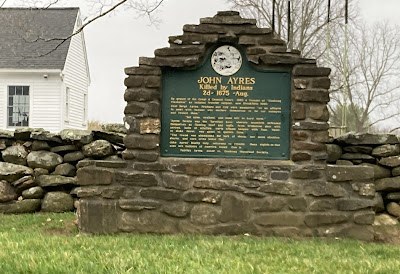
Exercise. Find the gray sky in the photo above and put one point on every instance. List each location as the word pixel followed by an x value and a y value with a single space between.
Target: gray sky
pixel 117 41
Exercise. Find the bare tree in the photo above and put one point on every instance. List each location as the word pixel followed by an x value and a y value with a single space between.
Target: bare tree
pixel 373 54
pixel 373 69
pixel 99 9
pixel 308 24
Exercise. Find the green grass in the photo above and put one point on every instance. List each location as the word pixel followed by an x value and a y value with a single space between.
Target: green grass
pixel 49 243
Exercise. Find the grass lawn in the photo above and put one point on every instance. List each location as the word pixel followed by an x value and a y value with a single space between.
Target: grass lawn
pixel 50 243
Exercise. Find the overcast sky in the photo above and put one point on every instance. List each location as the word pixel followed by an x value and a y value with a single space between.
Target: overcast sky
pixel 117 41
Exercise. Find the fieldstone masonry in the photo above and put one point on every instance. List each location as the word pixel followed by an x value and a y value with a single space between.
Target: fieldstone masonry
pixel 301 196
pixel 38 168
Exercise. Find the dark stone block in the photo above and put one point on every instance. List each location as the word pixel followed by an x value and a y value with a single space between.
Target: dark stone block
pixel 137 205
pixel 319 189
pixel 306 173
pixel 299 145
pixel 147 142
pixel 147 222
pixel 177 209
pixel 281 59
pixel 349 173
pixel 323 82
pixel 297 204
pixel 299 112
pixel 136 179
pixel 280 219
pixel 153 82
pixel 234 209
pixel 310 126
pixel 112 193
pixel 161 194
pixel 111 164
pixel 320 136
pixel 94 176
pixel 301 156
pixel 255 50
pixel 143 70
pixel 149 166
pixel 133 81
pixel 334 152
pixel 310 70
pixel 388 184
pixel 319 112
pixel 392 161
pixel 367 139
pixel 180 182
pixel 354 204
pixel 203 214
pixel 207 196
pixel 284 188
pixel 311 95
pixel 326 218
pixel 216 184
pixel 261 175
pixel 189 38
pixel 271 204
pixel 301 83
pixel 153 109
pixel 300 135
pixel 176 62
pixel 280 175
pixel 97 216
pixel 323 205
pixel 364 218
pixel 358 149
pixel 140 95
pixel 196 169
pixel 134 108
pixel 379 171
pixel 179 51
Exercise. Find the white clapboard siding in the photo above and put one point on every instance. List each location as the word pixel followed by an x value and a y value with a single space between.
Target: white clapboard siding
pixel 77 80
pixel 44 95
pixel 3 102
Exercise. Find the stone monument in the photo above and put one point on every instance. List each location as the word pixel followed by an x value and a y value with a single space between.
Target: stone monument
pixel 227 132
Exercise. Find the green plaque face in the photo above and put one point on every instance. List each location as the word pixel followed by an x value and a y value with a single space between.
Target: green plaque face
pixel 225 109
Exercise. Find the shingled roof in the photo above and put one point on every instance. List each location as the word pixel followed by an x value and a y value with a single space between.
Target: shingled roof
pixel 20 29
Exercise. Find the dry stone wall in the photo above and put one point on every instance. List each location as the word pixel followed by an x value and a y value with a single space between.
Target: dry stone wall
pixel 380 152
pixel 38 168
pixel 301 196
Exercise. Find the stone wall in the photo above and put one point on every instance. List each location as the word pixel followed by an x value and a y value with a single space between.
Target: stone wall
pixel 38 168
pixel 380 152
pixel 302 196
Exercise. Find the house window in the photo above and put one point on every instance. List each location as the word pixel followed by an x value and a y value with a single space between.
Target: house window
pixel 67 92
pixel 18 106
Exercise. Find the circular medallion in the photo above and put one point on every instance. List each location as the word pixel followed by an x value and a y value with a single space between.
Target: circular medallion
pixel 226 60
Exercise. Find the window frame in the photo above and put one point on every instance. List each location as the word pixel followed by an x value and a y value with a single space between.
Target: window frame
pixel 29 103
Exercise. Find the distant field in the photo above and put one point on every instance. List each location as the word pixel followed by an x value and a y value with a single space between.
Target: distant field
pixel 50 243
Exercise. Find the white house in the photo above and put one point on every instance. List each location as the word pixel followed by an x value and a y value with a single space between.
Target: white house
pixel 43 82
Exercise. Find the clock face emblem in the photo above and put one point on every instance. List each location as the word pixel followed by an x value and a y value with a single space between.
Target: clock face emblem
pixel 226 60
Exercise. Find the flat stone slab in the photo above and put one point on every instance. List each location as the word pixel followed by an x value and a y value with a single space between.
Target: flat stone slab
pixel 388 184
pixel 12 172
pixel 76 135
pixel 349 173
pixel 367 139
pixel 392 161
pixel 55 180
pixel 20 207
